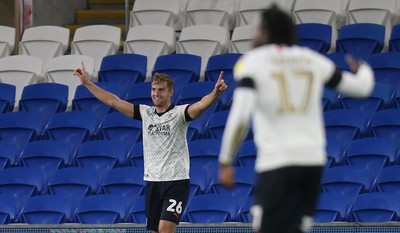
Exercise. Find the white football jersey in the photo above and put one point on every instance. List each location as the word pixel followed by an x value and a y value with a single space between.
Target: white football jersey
pixel 165 149
pixel 287 119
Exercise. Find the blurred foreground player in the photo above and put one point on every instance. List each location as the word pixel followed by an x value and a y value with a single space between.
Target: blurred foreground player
pixel 280 88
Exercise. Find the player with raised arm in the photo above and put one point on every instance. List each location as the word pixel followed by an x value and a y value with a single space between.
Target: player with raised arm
pixel 165 149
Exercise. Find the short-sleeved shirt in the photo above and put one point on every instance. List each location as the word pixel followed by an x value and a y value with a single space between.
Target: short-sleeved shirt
pixel 287 120
pixel 165 149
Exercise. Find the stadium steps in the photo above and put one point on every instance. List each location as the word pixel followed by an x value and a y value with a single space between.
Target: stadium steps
pixel 110 12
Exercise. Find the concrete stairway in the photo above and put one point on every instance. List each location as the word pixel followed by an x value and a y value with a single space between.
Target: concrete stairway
pixel 111 12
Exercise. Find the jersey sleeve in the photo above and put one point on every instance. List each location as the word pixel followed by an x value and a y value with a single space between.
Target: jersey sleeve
pixel 136 112
pixel 244 69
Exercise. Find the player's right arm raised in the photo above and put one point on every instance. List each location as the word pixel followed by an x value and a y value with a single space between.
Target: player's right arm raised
pixel 104 96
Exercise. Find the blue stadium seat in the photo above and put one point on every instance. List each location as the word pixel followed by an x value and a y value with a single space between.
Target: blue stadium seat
pixel 394 40
pixel 183 68
pixel 380 98
pixel 22 183
pixel 85 101
pixel 371 153
pixel 334 152
pixel 136 155
pixel 192 93
pixel 243 187
pixel 126 182
pixel 330 99
pixel 137 214
pixel 7 97
pixel 361 39
pixel 204 153
pixel 101 155
pixel 386 69
pixel 331 208
pixel 75 182
pixel 346 125
pixel 347 181
pixel 45 99
pixel 244 211
pixel 47 209
pixel 48 155
pixel 71 127
pixel 388 180
pixel 315 36
pixel 247 154
pixel 8 154
pixel 216 64
pixel 117 126
pixel 339 59
pixel 8 209
pixel 140 93
pixel 386 123
pixel 221 62
pixel 20 128
pixel 199 181
pixel 396 97
pixel 375 207
pixel 101 209
pixel 212 208
pixel 123 69
pixel 217 122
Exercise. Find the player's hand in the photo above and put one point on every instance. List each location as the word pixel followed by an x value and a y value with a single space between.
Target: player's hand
pixel 226 176
pixel 220 86
pixel 353 63
pixel 82 74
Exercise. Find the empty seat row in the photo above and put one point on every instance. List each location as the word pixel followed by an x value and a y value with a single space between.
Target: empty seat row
pixel 121 69
pixel 352 193
pixel 77 185
pixel 180 14
pixel 344 196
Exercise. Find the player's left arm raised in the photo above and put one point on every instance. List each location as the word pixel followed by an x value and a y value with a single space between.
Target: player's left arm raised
pixel 196 109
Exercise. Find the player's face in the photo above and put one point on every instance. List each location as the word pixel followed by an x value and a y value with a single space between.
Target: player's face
pixel 161 94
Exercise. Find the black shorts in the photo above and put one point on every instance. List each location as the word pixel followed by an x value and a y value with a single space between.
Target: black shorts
pixel 165 200
pixel 285 199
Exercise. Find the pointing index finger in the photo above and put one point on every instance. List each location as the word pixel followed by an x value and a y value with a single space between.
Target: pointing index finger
pixel 83 68
pixel 221 74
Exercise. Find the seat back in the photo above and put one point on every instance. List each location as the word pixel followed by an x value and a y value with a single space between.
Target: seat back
pixel 203 41
pixel 212 208
pixel 314 36
pixel 7 97
pixel 45 99
pixel 158 12
pixel 241 40
pixel 123 69
pixel 101 209
pixel 183 68
pixel 61 69
pixel 151 41
pixel 44 42
pixel 96 41
pixel 361 39
pixel 219 13
pixel 20 71
pixel 117 126
pixel 47 209
pixel 7 40
pixel 74 182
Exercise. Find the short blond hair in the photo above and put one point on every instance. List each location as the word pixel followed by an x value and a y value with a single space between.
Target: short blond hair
pixel 160 77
